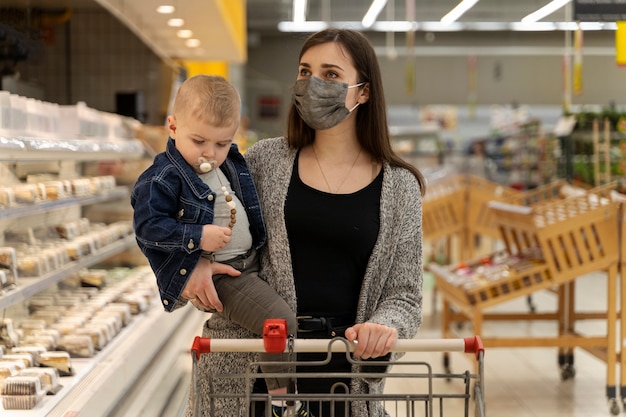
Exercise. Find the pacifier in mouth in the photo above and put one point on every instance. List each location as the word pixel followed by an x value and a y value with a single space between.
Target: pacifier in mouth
pixel 206 165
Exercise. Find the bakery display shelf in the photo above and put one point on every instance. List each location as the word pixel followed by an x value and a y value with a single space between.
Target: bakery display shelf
pixel 27 287
pixel 15 149
pixel 43 207
pixel 101 382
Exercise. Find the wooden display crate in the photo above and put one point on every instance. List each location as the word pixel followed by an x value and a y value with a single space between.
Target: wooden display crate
pixel 575 235
pixel 443 209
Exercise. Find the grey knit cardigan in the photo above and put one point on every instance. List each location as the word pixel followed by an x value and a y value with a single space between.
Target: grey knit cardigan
pixel 392 287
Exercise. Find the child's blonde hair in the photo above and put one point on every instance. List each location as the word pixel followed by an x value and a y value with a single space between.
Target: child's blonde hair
pixel 209 98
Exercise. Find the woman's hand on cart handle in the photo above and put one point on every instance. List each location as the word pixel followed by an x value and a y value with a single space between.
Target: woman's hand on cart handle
pixel 371 340
pixel 200 289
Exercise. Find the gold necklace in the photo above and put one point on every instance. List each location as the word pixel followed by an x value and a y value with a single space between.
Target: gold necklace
pixel 324 176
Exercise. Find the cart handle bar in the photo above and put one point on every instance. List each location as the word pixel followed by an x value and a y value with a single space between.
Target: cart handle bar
pixel 473 344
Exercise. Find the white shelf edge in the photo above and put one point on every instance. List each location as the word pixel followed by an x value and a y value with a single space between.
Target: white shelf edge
pixel 46 206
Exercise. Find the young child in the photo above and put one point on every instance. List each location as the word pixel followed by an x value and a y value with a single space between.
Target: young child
pixel 198 200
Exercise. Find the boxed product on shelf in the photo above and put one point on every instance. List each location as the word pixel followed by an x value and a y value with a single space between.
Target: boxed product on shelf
pixel 21 392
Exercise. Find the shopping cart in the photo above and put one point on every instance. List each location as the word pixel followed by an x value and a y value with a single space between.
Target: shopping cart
pixel 436 389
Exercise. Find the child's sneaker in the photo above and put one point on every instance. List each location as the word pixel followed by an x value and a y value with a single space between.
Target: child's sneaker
pixel 303 411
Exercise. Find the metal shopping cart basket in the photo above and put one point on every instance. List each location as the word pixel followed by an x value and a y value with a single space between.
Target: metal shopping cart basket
pixel 434 389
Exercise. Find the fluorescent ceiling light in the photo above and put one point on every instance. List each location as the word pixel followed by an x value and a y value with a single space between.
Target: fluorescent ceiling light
pixel 458 11
pixel 302 27
pixel 372 13
pixel 546 10
pixel 184 33
pixel 166 9
pixel 192 43
pixel 175 23
pixel 299 11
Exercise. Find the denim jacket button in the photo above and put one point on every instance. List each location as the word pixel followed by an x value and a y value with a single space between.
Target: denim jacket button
pixel 190 245
pixel 183 271
pixel 210 197
pixel 165 302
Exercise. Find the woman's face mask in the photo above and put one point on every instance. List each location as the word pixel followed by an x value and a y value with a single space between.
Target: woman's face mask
pixel 321 104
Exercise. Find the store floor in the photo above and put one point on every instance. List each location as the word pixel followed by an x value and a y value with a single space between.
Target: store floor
pixel 519 382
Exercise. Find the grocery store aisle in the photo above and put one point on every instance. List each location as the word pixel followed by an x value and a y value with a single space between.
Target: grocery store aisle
pixel 524 382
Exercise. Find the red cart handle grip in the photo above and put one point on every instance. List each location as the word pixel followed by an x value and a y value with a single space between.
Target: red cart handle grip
pixel 474 344
pixel 200 345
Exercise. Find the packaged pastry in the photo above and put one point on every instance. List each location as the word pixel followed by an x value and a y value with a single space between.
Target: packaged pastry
pixel 39 302
pixel 81 186
pixel 31 266
pixel 49 377
pixel 45 341
pixel 78 346
pixel 8 336
pixel 30 325
pixel 8 257
pixel 58 360
pixel 34 350
pixel 49 316
pixel 98 338
pixel 8 369
pixel 21 392
pixel 7 197
pixel 68 230
pixel 54 190
pixel 95 278
pixel 26 359
pixel 25 193
pixel 7 279
pixel 137 302
pixel 112 320
pixel 124 310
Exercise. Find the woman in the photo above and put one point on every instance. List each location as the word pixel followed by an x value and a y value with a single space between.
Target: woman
pixel 343 215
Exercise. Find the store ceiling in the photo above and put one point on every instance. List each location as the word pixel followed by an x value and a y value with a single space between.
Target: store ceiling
pixel 263 16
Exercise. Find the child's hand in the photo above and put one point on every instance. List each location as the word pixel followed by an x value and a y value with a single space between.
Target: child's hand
pixel 215 237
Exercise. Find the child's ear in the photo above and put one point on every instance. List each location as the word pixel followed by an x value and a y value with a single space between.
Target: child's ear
pixel 171 125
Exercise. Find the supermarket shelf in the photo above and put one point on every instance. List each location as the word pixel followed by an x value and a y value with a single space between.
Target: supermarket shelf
pixel 27 287
pixel 46 206
pixel 101 382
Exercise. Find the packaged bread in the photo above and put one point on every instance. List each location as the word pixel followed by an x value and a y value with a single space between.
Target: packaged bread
pixel 7 279
pixel 47 342
pixel 58 360
pixel 49 316
pixel 111 319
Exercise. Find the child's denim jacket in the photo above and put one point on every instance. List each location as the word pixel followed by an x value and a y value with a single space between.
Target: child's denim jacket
pixel 171 204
